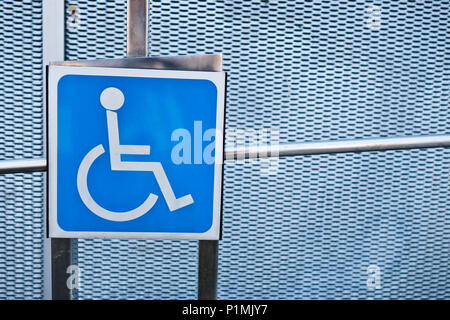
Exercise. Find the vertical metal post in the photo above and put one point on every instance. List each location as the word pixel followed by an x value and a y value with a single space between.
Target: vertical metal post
pixel 208 263
pixel 61 259
pixel 137 46
pixel 137 28
pixel 57 252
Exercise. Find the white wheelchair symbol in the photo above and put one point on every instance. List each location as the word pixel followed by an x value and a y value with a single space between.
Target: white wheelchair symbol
pixel 112 99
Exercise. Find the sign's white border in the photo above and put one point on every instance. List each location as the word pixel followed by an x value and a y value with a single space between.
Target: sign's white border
pixel 55 73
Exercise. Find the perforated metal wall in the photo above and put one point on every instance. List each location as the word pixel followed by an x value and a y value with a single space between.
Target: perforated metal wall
pixel 21 205
pixel 312 70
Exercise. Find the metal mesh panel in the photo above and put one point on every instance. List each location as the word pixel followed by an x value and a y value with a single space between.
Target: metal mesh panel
pixel 312 71
pixel 21 207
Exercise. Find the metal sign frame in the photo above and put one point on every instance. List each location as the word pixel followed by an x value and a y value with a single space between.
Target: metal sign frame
pixel 58 72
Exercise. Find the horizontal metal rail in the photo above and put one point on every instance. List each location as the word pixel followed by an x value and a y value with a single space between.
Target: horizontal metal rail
pixel 282 150
pixel 23 165
pixel 338 146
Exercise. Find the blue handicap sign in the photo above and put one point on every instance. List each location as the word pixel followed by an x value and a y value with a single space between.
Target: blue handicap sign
pixel 121 153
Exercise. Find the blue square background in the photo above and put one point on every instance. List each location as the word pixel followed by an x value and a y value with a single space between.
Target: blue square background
pixel 153 109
